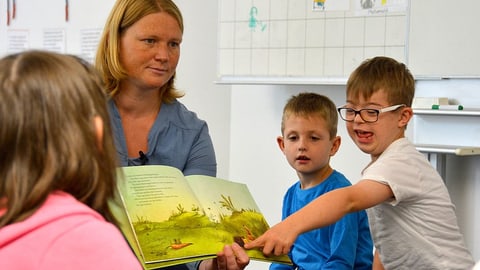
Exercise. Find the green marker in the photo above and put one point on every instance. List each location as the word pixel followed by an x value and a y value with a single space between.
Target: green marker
pixel 447 107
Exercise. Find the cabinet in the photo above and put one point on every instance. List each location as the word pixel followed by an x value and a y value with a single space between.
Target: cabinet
pixel 438 133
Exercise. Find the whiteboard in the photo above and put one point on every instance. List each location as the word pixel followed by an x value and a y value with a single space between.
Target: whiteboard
pixel 444 38
pixel 293 41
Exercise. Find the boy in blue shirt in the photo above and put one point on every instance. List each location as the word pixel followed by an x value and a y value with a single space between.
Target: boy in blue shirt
pixel 309 138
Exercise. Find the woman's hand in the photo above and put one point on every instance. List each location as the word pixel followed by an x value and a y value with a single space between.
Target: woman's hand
pixel 232 257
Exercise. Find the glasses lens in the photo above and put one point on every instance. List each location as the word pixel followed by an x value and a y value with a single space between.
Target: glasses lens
pixel 347 114
pixel 369 115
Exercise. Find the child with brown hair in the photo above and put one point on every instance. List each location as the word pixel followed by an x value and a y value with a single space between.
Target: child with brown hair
pixel 309 139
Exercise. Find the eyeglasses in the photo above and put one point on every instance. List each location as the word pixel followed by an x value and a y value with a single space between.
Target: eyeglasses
pixel 367 115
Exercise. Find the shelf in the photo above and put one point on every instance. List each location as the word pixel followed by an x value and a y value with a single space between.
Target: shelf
pixel 289 80
pixel 466 112
pixel 449 149
pixel 436 154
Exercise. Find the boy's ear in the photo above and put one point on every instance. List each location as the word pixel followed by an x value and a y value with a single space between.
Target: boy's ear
pixel 406 115
pixel 281 143
pixel 335 145
pixel 98 125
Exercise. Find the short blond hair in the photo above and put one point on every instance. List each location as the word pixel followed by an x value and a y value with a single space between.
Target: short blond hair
pixel 312 104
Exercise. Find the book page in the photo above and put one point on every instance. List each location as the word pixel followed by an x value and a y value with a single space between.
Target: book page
pixel 161 208
pixel 233 213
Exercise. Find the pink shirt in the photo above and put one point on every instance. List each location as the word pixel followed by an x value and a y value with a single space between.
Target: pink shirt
pixel 64 234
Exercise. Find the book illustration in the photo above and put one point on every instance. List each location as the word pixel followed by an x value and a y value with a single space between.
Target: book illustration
pixel 193 231
pixel 175 217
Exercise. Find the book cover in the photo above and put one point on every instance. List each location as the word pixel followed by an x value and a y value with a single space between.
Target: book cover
pixel 169 218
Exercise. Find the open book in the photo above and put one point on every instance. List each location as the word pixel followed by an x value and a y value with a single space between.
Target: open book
pixel 170 219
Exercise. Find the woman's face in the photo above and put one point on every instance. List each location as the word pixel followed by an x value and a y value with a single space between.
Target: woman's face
pixel 150 50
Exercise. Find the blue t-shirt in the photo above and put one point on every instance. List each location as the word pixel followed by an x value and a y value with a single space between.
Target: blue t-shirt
pixel 346 244
pixel 178 138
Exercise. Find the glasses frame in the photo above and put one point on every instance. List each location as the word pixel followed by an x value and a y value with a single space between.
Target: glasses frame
pixel 359 112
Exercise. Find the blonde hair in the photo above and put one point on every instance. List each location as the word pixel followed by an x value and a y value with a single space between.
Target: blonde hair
pixel 124 14
pixel 382 73
pixel 312 104
pixel 48 140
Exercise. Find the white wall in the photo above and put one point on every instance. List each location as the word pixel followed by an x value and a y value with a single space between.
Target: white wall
pixel 196 74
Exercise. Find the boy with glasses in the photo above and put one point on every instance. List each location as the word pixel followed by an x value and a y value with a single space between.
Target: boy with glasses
pixel 411 216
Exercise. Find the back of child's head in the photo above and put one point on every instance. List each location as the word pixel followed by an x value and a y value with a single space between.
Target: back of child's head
pixel 382 73
pixel 48 141
pixel 312 105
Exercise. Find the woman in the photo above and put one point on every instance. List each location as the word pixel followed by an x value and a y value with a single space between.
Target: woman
pixel 138 55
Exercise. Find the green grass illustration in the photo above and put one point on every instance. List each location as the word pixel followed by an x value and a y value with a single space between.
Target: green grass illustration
pixel 191 233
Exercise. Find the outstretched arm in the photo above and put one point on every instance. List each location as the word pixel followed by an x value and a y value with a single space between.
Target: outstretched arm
pixel 321 212
pixel 377 264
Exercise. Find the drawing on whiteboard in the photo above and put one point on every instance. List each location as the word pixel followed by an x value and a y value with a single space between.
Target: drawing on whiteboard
pixel 385 5
pixel 270 45
pixel 319 4
pixel 254 23
pixel 367 4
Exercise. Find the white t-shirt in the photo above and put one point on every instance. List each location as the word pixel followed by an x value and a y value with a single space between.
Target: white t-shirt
pixel 418 228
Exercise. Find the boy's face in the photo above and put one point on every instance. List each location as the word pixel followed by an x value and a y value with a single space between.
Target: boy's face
pixel 374 138
pixel 307 145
